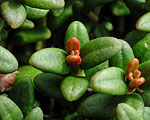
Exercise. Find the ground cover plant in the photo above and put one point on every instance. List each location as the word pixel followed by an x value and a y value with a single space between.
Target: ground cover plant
pixel 74 60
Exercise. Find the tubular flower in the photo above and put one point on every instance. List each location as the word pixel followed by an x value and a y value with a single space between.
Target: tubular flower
pixel 134 76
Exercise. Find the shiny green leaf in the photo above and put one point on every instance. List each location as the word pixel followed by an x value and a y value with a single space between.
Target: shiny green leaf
pixel 73 88
pixel 109 81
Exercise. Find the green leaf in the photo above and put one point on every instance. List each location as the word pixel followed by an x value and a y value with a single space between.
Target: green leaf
pixel 147 113
pixel 50 60
pixel 109 81
pixel 90 72
pixel 35 114
pixel 134 36
pixel 73 88
pixel 119 8
pixel 13 12
pixel 9 110
pixel 35 13
pixel 100 31
pixel 28 36
pixel 49 84
pixel 143 23
pixel 22 93
pixel 27 70
pixel 58 21
pixel 45 4
pixel 135 101
pixel 78 30
pixel 98 106
pixel 99 50
pixel 28 24
pixel 1 24
pixel 71 116
pixel 146 94
pixel 142 49
pixel 126 112
pixel 8 63
pixel 124 56
pixel 145 68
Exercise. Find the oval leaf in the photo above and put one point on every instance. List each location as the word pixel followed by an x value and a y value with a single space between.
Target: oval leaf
pixel 98 106
pixel 146 94
pixel 90 72
pixel 9 110
pixel 135 101
pixel 8 63
pixel 78 30
pixel 35 13
pixel 119 8
pixel 147 113
pixel 49 84
pixel 143 53
pixel 143 23
pixel 134 36
pixel 145 68
pixel 22 93
pixel 109 81
pixel 99 50
pixel 125 111
pixel 50 60
pixel 28 36
pixel 13 12
pixel 124 56
pixel 28 24
pixel 73 88
pixel 29 71
pixel 44 4
pixel 36 114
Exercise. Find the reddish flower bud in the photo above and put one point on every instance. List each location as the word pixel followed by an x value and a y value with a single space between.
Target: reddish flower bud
pixel 73 44
pixel 73 59
pixel 133 65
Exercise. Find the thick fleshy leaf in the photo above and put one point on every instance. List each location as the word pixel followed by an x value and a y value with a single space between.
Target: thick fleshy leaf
pixel 134 36
pixel 78 30
pixel 28 24
pixel 50 60
pixel 49 84
pixel 1 24
pixel 90 72
pixel 13 12
pixel 45 4
pixel 124 56
pixel 126 112
pixel 142 49
pixel 9 110
pixel 143 23
pixel 36 13
pixel 58 21
pixel 99 50
pixel 145 70
pixel 28 36
pixel 109 81
pixel 73 88
pixel 146 94
pixel 27 70
pixel 98 106
pixel 119 8
pixel 8 63
pixel 36 114
pixel 135 101
pixel 147 113
pixel 22 94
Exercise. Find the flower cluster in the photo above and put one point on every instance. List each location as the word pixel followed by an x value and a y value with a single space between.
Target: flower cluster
pixel 134 76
